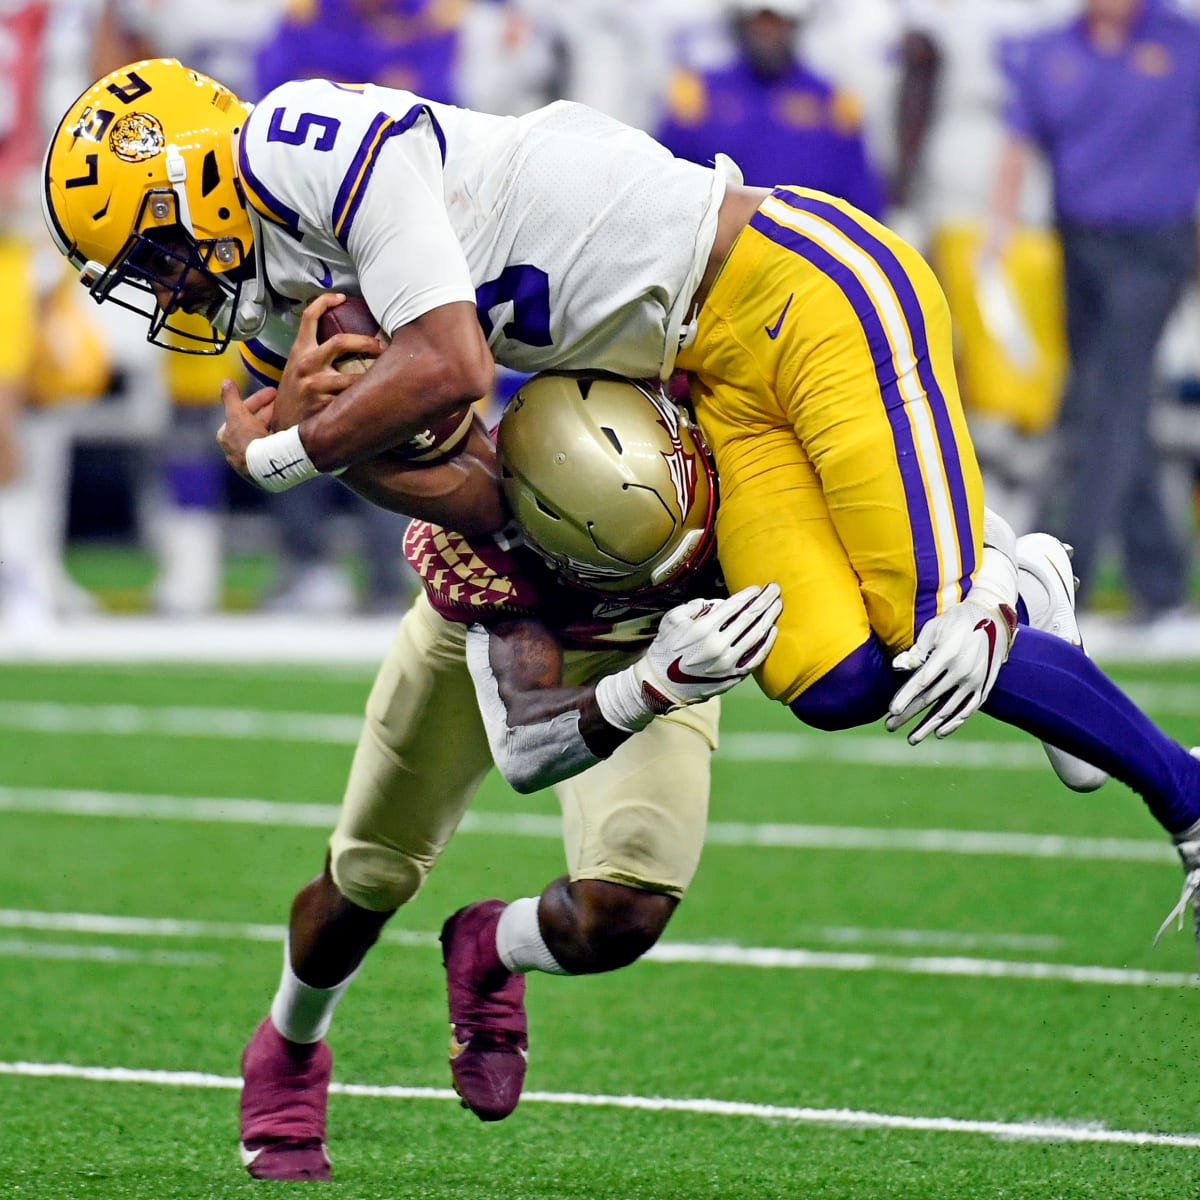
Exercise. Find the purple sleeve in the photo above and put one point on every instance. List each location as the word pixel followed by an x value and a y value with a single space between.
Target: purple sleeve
pixel 1016 65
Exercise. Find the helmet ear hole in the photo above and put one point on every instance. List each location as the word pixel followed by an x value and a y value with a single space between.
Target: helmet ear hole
pixel 547 511
pixel 210 174
pixel 611 434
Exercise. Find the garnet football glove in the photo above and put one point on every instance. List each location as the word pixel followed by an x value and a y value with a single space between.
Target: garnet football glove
pixel 702 649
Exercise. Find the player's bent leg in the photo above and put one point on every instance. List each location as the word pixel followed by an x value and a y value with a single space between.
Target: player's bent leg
pixel 855 692
pixel 633 828
pixel 1051 689
pixel 420 757
pixel 576 928
pixel 590 926
pixel 847 472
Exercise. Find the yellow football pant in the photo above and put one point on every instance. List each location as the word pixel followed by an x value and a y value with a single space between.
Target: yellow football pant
pixel 823 378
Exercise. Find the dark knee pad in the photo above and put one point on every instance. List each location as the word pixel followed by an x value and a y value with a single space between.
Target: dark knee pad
pixel 855 692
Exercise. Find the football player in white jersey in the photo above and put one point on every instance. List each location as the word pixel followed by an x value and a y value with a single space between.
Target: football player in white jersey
pixel 564 685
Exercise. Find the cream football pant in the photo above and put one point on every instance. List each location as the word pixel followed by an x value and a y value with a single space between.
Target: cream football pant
pixel 637 818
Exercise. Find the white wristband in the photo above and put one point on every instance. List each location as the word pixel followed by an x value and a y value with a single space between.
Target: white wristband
pixel 279 461
pixel 619 699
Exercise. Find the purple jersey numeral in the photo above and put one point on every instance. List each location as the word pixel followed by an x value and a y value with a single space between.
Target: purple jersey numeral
pixel 305 123
pixel 529 290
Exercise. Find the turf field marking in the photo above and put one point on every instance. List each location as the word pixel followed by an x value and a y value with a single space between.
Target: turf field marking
pixel 17 948
pixel 133 720
pixel 241 811
pixel 676 953
pixel 68 922
pixel 130 720
pixel 1024 1131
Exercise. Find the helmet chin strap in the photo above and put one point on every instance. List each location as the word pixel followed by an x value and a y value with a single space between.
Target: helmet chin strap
pixel 177 178
pixel 251 313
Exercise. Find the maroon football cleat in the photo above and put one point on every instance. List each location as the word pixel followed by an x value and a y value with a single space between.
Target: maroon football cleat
pixel 284 1088
pixel 488 1034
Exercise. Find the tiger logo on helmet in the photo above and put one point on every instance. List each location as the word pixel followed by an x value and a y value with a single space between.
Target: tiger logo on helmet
pixel 140 193
pixel 609 481
pixel 137 137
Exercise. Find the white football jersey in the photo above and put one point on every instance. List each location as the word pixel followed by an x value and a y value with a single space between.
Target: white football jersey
pixel 580 240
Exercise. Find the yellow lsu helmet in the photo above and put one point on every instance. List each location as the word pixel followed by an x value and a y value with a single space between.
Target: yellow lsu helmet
pixel 609 481
pixel 140 193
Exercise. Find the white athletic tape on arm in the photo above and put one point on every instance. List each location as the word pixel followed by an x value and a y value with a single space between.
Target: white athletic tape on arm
pixel 621 703
pixel 279 461
pixel 995 580
pixel 530 757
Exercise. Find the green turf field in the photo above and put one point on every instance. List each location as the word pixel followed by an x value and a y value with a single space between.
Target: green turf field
pixel 901 973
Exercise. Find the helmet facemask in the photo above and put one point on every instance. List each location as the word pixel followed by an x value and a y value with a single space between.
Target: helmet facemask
pixel 161 271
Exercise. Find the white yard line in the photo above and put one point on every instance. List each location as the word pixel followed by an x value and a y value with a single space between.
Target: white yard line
pixel 169 927
pixel 130 720
pixel 133 720
pixel 1025 1131
pixel 244 811
pixel 674 953
pixel 21 948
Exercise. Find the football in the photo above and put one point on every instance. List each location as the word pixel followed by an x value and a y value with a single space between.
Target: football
pixel 433 445
pixel 351 316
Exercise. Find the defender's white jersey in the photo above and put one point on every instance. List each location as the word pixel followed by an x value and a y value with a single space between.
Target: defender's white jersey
pixel 579 239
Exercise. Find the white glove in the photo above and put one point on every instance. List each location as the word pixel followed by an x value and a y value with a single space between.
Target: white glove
pixel 955 663
pixel 958 654
pixel 702 649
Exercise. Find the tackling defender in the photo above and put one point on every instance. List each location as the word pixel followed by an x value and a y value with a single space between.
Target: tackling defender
pixel 589 690
pixel 541 671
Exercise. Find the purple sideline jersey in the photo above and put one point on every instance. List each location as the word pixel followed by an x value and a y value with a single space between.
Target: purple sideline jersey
pixel 1122 130
pixel 409 44
pixel 797 128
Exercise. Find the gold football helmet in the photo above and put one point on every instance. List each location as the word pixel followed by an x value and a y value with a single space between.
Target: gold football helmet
pixel 609 481
pixel 140 193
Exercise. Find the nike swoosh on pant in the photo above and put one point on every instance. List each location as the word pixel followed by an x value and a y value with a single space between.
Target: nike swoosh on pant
pixel 772 331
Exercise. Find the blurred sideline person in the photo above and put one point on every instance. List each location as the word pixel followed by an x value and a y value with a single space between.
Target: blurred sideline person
pixel 563 682
pixel 1005 300
pixel 817 345
pixel 770 112
pixel 185 523
pixel 50 358
pixel 507 59
pixel 1112 101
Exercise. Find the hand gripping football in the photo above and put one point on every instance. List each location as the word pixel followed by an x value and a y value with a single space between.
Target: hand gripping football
pixel 444 437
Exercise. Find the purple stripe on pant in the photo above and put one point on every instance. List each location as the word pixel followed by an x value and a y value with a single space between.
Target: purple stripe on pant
pixel 884 257
pixel 925 557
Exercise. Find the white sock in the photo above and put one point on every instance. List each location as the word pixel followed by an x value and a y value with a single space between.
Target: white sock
pixel 519 940
pixel 301 1013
